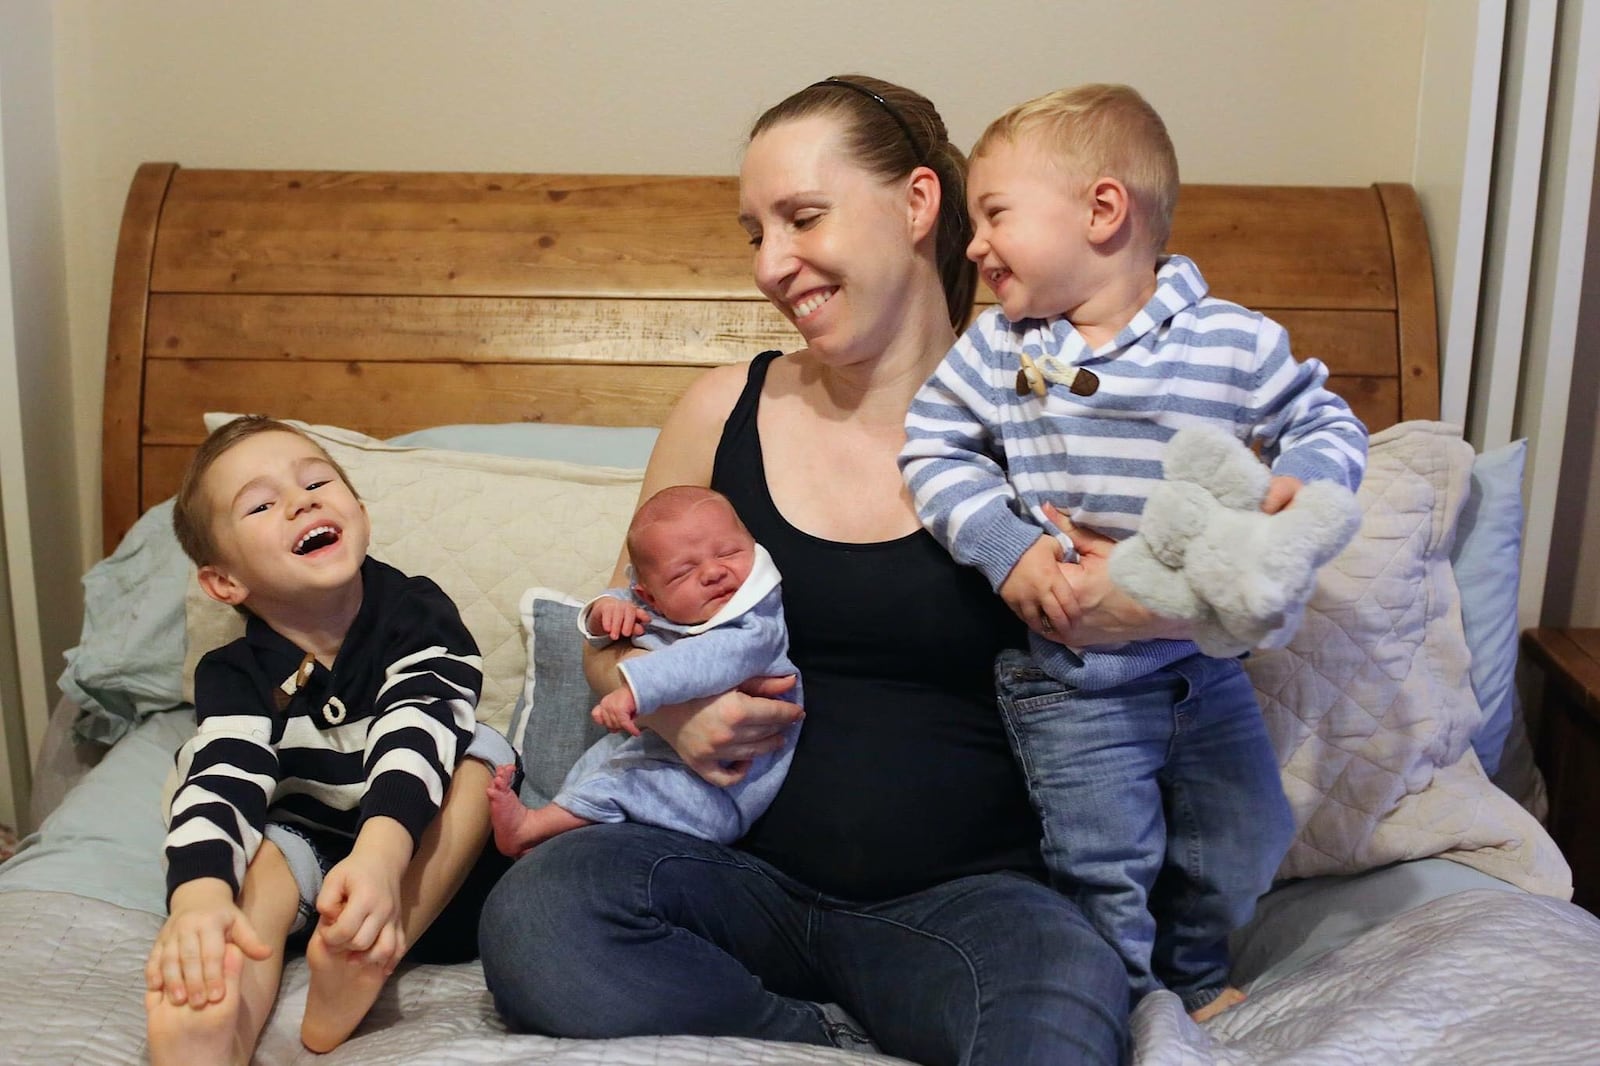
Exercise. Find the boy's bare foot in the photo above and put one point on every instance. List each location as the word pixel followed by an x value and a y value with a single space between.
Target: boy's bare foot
pixel 181 1035
pixel 517 829
pixel 342 990
pixel 1228 997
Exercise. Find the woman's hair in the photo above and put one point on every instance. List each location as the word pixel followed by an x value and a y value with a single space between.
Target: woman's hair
pixel 191 511
pixel 1101 130
pixel 889 131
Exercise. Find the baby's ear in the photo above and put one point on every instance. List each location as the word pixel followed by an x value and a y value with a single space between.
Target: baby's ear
pixel 221 586
pixel 644 594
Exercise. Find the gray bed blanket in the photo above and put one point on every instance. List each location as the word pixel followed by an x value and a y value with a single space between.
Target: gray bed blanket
pixel 1478 977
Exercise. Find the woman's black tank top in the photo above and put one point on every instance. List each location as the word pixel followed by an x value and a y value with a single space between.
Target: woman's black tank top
pixel 902 777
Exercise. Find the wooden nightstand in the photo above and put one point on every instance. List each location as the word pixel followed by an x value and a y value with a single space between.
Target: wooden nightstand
pixel 1567 748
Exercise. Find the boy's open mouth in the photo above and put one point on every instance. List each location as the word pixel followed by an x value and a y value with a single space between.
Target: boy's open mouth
pixel 315 538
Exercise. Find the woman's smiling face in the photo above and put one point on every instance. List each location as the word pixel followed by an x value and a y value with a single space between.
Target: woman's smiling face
pixel 832 241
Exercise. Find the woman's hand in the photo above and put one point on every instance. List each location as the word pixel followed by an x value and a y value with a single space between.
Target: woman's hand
pixel 1106 614
pixel 717 737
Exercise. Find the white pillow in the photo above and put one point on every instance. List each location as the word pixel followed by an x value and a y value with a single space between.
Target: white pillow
pixel 485 527
pixel 1371 706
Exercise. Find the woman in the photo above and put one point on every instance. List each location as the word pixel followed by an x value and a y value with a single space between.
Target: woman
pixel 897 873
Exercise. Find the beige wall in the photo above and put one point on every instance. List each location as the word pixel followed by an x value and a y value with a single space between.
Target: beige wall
pixel 42 558
pixel 1254 90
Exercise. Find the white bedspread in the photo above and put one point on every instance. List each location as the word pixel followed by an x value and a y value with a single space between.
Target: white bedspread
pixel 72 973
pixel 1475 978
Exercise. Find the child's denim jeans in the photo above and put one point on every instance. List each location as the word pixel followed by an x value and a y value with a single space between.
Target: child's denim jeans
pixel 1163 811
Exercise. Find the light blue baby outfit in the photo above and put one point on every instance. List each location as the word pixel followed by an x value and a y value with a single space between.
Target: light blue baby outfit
pixel 641 779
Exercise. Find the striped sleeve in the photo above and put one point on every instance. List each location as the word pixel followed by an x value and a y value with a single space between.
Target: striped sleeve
pixel 228 772
pixel 1306 430
pixel 961 490
pixel 425 711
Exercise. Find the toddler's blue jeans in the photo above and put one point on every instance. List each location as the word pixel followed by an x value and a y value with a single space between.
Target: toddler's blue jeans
pixel 1163 810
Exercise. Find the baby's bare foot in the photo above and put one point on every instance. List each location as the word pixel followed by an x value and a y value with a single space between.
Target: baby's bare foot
pixel 182 1035
pixel 342 990
pixel 1228 997
pixel 508 817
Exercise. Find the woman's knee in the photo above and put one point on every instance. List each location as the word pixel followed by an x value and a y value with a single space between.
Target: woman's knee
pixel 1054 986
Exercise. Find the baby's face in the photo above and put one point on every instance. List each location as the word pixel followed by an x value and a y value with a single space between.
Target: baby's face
pixel 690 566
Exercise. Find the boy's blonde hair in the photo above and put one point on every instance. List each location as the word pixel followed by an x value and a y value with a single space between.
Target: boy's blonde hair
pixel 191 513
pixel 1101 131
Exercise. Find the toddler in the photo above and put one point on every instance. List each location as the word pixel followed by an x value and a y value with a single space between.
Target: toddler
pixel 1148 762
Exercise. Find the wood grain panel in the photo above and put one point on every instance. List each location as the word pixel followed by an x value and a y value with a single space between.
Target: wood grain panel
pixel 504 329
pixel 473 329
pixel 1287 246
pixel 1352 342
pixel 385 399
pixel 629 235
pixel 163 467
pixel 1419 326
pixel 1376 401
pixel 120 501
pixel 574 235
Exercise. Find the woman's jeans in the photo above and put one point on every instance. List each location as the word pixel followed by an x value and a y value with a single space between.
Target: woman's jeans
pixel 1163 809
pixel 622 930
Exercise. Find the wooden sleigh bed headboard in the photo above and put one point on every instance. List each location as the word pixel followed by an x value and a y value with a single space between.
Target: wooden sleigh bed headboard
pixel 389 302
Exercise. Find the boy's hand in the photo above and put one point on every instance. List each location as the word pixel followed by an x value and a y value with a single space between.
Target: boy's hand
pixel 360 898
pixel 1037 591
pixel 186 959
pixel 617 711
pixel 1281 492
pixel 616 618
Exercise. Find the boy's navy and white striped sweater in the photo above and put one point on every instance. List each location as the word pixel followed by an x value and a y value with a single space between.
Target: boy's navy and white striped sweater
pixel 378 734
pixel 981 461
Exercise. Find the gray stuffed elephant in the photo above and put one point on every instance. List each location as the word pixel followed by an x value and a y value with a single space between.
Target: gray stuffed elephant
pixel 1206 552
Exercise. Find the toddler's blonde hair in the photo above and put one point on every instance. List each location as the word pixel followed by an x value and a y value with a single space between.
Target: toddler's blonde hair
pixel 1101 131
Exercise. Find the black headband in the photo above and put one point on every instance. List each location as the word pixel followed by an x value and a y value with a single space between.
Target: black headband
pixel 899 119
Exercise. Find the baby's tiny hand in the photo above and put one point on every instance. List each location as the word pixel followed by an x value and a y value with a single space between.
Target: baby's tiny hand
pixel 617 711
pixel 1281 492
pixel 616 618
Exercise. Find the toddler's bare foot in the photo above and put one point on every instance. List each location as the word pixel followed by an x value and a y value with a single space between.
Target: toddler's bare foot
pixel 1228 997
pixel 342 990
pixel 181 1035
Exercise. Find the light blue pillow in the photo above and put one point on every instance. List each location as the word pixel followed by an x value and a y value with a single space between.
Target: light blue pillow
pixel 558 728
pixel 104 840
pixel 1486 557
pixel 129 659
pixel 625 446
